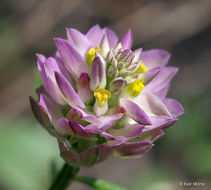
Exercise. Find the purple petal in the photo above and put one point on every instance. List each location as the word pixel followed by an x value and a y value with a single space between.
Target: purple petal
pixel 68 91
pixel 151 135
pixel 83 87
pixel 126 40
pixel 174 107
pixel 71 127
pixel 112 37
pixel 79 130
pixel 153 105
pixel 41 116
pixel 104 46
pixel 161 81
pixel 134 111
pixel 137 149
pixel 89 117
pixel 40 64
pixel 130 131
pixel 117 141
pixel 109 120
pixel 162 91
pixel 159 122
pixel 155 58
pixel 63 127
pixel 117 85
pixel 102 66
pixel 68 154
pixel 53 90
pixel 95 130
pixel 62 68
pixel 49 108
pixel 95 35
pixel 137 54
pixel 104 152
pixel 149 75
pixel 78 40
pixel 73 61
pixel 98 73
pixel 111 140
pixel 94 82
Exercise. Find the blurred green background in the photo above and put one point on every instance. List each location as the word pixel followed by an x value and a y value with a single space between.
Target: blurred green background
pixel 29 156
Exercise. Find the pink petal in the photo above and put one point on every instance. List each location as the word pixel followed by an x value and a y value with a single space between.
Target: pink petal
pixel 68 91
pixel 71 58
pixel 155 58
pixel 50 108
pixel 134 111
pixel 136 149
pixel 71 127
pixel 95 35
pixel 174 107
pixel 112 37
pixel 126 40
pixel 78 40
pixel 83 87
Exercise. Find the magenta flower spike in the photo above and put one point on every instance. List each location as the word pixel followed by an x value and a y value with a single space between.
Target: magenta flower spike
pixel 102 99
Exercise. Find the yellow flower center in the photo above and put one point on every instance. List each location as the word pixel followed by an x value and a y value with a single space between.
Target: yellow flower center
pixel 136 87
pixel 141 69
pixel 91 55
pixel 102 95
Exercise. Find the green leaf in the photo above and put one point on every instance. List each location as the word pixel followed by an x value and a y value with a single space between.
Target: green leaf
pixel 26 151
pixel 99 184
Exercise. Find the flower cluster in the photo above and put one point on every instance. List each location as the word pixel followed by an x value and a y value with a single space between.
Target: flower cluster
pixel 100 98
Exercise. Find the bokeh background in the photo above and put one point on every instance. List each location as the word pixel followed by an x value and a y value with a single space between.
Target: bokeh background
pixel 29 156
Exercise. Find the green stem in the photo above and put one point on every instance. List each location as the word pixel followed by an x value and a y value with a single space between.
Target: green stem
pixel 64 177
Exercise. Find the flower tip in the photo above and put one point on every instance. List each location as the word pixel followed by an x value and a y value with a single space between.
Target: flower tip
pixel 164 53
pixel 129 33
pixel 67 29
pixel 31 99
pixel 96 26
pixel 70 30
pixel 126 39
pixel 58 40
pixel 41 58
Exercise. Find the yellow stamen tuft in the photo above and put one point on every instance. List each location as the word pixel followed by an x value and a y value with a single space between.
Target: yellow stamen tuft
pixel 102 95
pixel 141 69
pixel 136 87
pixel 91 55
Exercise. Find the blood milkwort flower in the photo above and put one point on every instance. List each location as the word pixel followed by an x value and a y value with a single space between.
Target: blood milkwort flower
pixel 100 98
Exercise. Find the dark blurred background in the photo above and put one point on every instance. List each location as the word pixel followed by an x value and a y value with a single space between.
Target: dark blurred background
pixel 29 156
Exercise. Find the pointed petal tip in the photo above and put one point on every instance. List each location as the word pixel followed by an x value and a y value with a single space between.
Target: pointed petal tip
pixel 58 40
pixel 68 90
pixel 31 98
pixel 40 57
pixel 135 111
pixel 126 39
